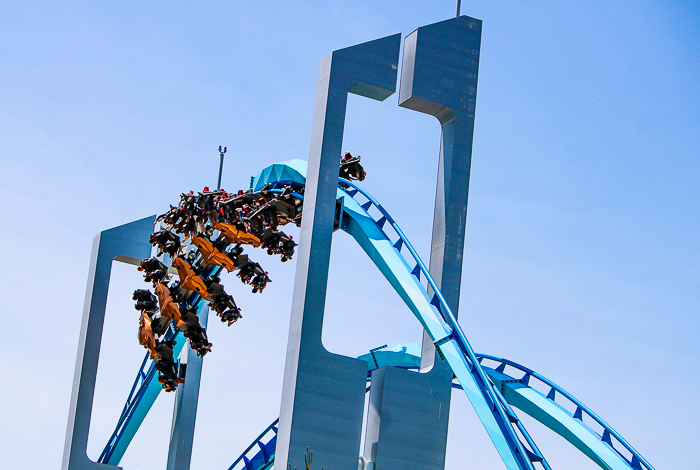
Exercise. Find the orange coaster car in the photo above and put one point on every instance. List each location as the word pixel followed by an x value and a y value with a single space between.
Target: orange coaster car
pixel 188 279
pixel 168 308
pixel 211 255
pixel 233 235
pixel 146 337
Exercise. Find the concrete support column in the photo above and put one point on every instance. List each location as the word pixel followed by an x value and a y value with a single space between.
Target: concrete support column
pixel 323 393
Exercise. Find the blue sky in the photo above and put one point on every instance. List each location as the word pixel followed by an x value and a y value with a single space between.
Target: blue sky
pixel 581 256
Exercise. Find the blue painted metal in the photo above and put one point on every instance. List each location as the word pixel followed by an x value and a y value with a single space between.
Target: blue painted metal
pixel 270 446
pixel 404 356
pixel 440 324
pixel 569 425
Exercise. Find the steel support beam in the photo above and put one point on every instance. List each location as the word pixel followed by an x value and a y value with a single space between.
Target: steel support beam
pixel 323 393
pixel 438 77
pixel 128 240
pixel 185 410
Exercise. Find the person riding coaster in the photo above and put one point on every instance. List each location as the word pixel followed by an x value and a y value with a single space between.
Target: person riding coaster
pixel 350 168
pixel 166 365
pixel 155 270
pixel 259 282
pixel 193 331
pixel 182 220
pixel 166 241
pixel 278 243
pixel 147 303
pixel 225 307
pixel 145 300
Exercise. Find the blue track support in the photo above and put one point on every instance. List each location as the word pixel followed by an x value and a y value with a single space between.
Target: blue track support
pixel 438 321
pixel 407 356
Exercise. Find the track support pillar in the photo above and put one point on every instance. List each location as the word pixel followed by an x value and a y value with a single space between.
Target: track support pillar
pixel 323 393
pixel 128 240
pixel 185 411
pixel 439 78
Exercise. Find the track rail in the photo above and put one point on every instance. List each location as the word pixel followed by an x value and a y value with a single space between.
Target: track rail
pixel 605 434
pixel 516 448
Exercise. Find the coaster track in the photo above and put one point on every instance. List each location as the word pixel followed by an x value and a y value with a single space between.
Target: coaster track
pixel 565 423
pixel 490 391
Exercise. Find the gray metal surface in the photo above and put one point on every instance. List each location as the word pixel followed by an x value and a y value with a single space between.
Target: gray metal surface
pixel 439 78
pixel 323 393
pixel 406 420
pixel 128 240
pixel 185 410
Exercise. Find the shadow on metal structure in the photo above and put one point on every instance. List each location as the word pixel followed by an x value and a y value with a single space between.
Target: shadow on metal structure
pixel 130 240
pixel 323 393
pixel 439 78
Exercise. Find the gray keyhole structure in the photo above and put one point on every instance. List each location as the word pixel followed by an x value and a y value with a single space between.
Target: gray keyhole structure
pixel 323 393
pixel 438 77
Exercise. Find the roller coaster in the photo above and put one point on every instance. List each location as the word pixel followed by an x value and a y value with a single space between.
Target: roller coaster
pixel 216 224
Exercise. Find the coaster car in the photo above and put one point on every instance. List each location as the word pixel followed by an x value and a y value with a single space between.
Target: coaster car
pixel 189 279
pixel 156 271
pixel 168 307
pixel 166 241
pixel 211 255
pixel 146 337
pixel 233 235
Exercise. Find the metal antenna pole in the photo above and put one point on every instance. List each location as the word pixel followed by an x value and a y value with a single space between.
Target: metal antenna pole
pixel 221 166
pixel 459 7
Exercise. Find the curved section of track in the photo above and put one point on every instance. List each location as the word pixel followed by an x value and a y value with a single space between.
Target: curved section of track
pixel 490 391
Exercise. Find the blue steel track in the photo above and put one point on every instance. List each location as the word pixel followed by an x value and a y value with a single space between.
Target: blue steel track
pixel 491 391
